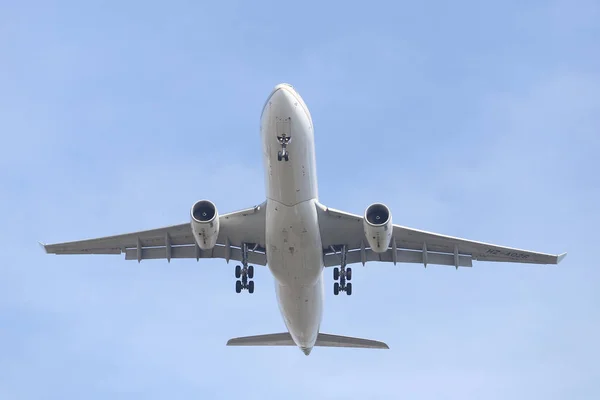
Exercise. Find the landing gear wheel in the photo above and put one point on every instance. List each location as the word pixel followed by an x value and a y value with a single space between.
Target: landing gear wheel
pixel 283 140
pixel 244 273
pixel 342 275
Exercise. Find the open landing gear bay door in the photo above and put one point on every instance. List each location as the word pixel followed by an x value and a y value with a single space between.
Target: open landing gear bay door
pixel 177 241
pixel 341 230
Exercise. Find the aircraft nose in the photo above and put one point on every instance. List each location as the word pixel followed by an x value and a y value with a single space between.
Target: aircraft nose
pixel 283 86
pixel 283 94
pixel 282 100
pixel 285 100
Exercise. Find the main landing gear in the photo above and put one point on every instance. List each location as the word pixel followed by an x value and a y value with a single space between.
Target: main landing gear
pixel 344 275
pixel 245 272
pixel 283 140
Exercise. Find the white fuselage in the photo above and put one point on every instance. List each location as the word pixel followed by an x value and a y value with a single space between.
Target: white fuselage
pixel 293 240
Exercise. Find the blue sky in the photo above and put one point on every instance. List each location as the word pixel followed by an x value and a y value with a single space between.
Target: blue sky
pixel 469 119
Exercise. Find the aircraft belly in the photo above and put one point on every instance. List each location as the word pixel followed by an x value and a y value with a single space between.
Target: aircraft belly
pixel 294 250
pixel 294 256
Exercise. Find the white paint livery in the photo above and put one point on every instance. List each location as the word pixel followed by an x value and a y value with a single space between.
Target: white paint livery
pixel 296 236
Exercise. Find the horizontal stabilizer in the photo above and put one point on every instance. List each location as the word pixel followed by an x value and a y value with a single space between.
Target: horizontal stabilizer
pixel 323 340
pixel 273 339
pixel 326 340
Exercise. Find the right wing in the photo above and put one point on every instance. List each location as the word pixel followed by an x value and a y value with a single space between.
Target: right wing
pixel 410 245
pixel 177 241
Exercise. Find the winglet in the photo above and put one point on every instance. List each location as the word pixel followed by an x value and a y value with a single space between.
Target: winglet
pixel 43 247
pixel 560 257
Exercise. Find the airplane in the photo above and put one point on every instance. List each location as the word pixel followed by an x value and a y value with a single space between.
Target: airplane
pixel 296 236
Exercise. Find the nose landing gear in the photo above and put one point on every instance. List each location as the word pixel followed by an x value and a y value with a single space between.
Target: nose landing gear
pixel 283 140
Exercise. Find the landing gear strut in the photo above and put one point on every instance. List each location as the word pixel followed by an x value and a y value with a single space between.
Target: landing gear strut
pixel 245 272
pixel 283 140
pixel 344 275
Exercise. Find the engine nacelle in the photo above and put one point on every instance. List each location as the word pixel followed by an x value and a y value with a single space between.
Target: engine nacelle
pixel 378 227
pixel 205 224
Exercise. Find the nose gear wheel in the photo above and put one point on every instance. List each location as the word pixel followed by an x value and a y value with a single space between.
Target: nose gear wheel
pixel 283 140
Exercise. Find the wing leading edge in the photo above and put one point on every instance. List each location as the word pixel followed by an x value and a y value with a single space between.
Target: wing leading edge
pixel 177 241
pixel 339 228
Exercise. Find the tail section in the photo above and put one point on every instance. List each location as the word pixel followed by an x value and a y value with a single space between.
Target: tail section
pixel 323 340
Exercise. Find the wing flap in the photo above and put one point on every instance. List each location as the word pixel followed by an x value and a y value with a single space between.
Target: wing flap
pixel 51 249
pixel 402 256
pixel 155 253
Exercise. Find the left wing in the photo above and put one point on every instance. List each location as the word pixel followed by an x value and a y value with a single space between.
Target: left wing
pixel 410 245
pixel 177 241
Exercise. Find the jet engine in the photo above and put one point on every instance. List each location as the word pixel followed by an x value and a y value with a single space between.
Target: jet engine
pixel 378 227
pixel 205 224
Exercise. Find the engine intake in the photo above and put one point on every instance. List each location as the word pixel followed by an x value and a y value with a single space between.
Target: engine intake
pixel 378 228
pixel 205 224
pixel 203 211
